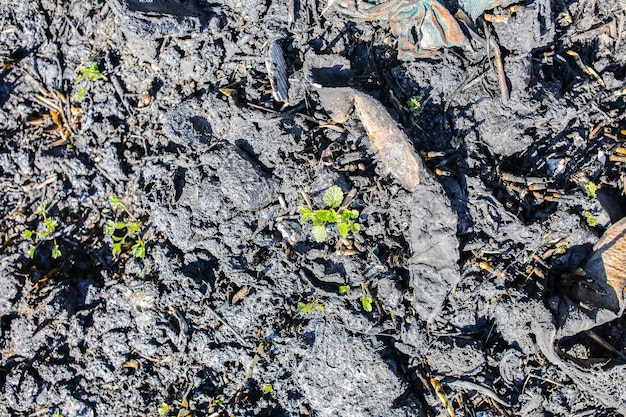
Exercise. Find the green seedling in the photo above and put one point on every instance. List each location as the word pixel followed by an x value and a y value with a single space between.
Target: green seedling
pixel 122 231
pixel 344 289
pixel 343 217
pixel 366 302
pixel 366 299
pixel 89 73
pixel 46 228
pixel 164 409
pixel 415 105
pixel 57 413
pixel 268 389
pixel 591 189
pixel 591 220
pixel 562 249
pixel 309 308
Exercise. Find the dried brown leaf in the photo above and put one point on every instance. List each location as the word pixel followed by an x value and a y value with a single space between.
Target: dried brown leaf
pixel 390 143
pixel 607 268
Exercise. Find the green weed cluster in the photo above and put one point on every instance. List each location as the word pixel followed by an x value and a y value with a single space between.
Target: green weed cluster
pixel 164 409
pixel 46 228
pixel 415 105
pixel 89 73
pixel 311 307
pixel 591 189
pixel 591 220
pixel 123 231
pixel 343 217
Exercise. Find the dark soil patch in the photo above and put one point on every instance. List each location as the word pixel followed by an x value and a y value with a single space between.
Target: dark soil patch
pixel 235 309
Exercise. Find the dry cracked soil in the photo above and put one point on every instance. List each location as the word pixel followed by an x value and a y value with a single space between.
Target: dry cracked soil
pixel 155 160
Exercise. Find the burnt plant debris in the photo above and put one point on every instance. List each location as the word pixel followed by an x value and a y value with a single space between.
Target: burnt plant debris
pixel 477 267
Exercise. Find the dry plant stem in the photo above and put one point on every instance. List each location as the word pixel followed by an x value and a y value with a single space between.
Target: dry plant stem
pixel 490 45
pixel 599 340
pixel 620 29
pixel 504 88
pixel 233 331
pixel 57 105
pixel 471 386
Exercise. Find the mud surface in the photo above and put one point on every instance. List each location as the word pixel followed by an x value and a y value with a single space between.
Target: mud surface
pixel 464 296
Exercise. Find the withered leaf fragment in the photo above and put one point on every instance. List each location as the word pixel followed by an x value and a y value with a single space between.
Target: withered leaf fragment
pixel 390 143
pixel 606 271
pixel 421 26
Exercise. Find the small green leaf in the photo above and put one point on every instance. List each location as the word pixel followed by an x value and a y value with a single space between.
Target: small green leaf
pixel 344 289
pixel 110 229
pixel 164 409
pixel 319 233
pixel 591 220
pixel 308 308
pixel 50 225
pixel 590 189
pixel 134 227
pixel 319 222
pixel 333 197
pixel 561 249
pixel 138 249
pixel 366 302
pixel 305 308
pixel 415 105
pixel 81 92
pixel 307 215
pixel 115 202
pixel 31 251
pixel 268 388
pixel 330 215
pixel 41 209
pixel 349 214
pixel 56 252
pixel 344 228
pixel 355 228
pixel 116 249
pixel 27 234
pixel 90 72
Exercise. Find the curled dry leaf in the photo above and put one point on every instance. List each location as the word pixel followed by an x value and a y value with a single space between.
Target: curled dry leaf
pixel 605 271
pixel 330 74
pixel 390 143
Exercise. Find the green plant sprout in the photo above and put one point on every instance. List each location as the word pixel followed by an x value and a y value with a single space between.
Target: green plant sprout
pixel 415 105
pixel 309 308
pixel 366 302
pixel 57 413
pixel 344 289
pixel 591 220
pixel 562 249
pixel 268 388
pixel 344 217
pixel 42 233
pixel 590 189
pixel 164 409
pixel 88 74
pixel 121 231
pixel 366 299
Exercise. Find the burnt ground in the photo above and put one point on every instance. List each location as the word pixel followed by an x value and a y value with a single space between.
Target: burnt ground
pixel 469 275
